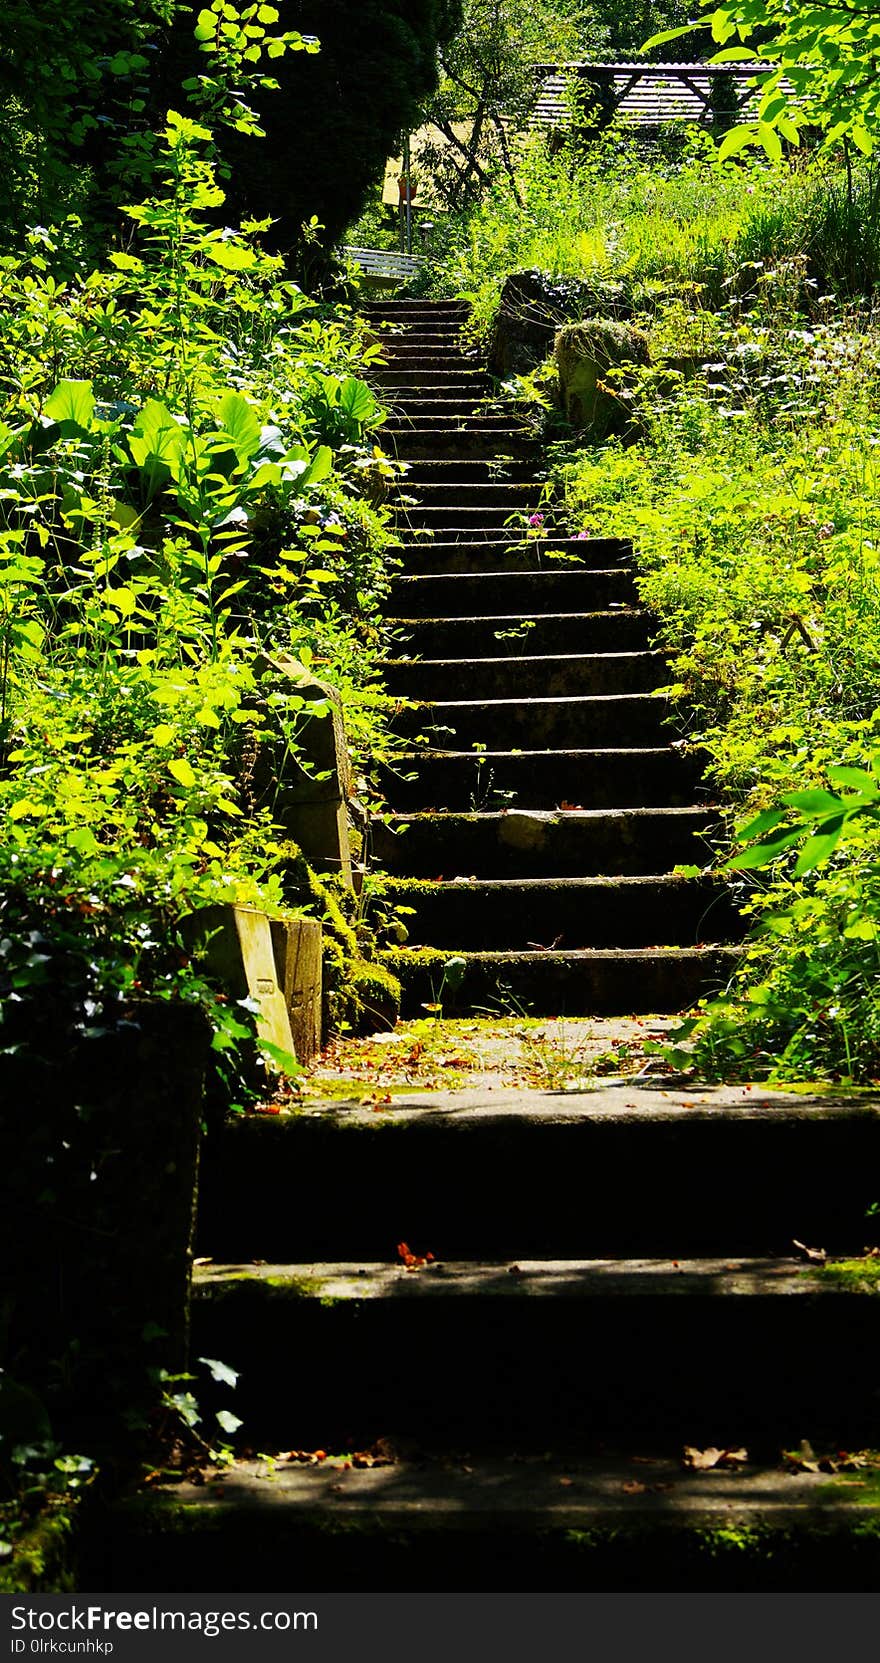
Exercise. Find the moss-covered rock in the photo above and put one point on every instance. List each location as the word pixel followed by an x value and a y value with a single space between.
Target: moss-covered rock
pixel 597 362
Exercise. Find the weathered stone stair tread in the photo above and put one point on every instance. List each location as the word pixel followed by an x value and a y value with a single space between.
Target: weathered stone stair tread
pixel 617 719
pixel 589 981
pixel 426 557
pixel 571 912
pixel 567 1279
pixel 559 1522
pixel 624 629
pixel 624 1166
pixel 544 842
pixel 505 674
pixel 614 778
pixel 469 594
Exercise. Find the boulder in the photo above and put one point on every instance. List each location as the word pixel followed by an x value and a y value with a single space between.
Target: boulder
pixel 533 307
pixel 597 363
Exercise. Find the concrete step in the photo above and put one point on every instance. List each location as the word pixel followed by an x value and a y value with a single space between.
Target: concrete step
pixel 745 1352
pixel 563 912
pixel 624 630
pixel 591 722
pixel 507 676
pixel 527 594
pixel 516 551
pixel 544 842
pixel 559 1523
pixel 639 778
pixel 632 1168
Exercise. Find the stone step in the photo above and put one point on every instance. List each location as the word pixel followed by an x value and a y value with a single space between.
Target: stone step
pixel 625 629
pixel 478 594
pixel 504 676
pixel 595 981
pixel 436 376
pixel 618 719
pixel 471 1354
pixel 447 523
pixel 496 470
pixel 563 912
pixel 640 778
pixel 407 311
pixel 432 437
pixel 544 842
pixel 633 1168
pixel 455 405
pixel 461 498
pixel 517 551
pixel 559 1523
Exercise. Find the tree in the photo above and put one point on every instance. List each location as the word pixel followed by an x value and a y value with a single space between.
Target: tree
pixel 487 87
pixel 825 68
pixel 337 116
pixel 71 72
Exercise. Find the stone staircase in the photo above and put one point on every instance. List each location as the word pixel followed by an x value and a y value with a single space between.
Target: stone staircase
pixel 593 1280
pixel 543 807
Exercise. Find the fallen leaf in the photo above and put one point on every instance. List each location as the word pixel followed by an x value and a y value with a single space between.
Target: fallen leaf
pixel 815 1255
pixel 703 1460
pixel 632 1487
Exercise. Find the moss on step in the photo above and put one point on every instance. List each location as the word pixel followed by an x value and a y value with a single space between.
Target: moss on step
pixel 43 1556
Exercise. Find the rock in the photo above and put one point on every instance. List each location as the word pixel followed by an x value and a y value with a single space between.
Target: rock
pixel 596 361
pixel 532 308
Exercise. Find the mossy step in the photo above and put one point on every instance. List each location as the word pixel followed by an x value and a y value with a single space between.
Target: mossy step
pixel 494 1353
pixel 628 1167
pixel 610 778
pixel 592 720
pixel 459 499
pixel 470 1523
pixel 477 594
pixel 496 843
pixel 625 630
pixel 451 406
pixel 593 981
pixel 567 912
pixel 504 675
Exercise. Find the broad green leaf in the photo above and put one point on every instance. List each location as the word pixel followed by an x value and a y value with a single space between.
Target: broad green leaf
pixel 319 467
pixel 72 401
pixel 231 256
pixel 771 141
pixel 766 821
pixel 671 34
pixel 819 847
pixel 241 423
pixel 182 772
pixel 857 779
pixel 357 401
pixel 227 1421
pixel 156 433
pixel 221 1372
pixel 736 140
pixel 811 803
pixel 761 854
pixel 163 734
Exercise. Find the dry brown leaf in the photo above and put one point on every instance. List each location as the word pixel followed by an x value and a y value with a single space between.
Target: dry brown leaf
pixel 815 1255
pixel 704 1460
pixel 632 1487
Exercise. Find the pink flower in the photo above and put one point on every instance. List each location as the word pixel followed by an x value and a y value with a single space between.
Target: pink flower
pixel 536 519
pixel 583 534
